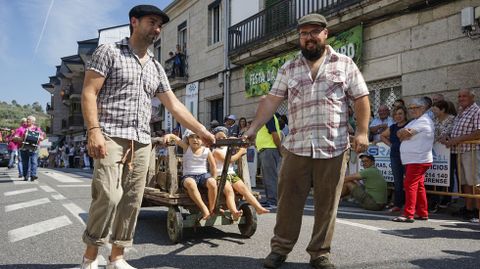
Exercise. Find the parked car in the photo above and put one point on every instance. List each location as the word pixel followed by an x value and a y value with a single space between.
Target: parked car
pixel 4 156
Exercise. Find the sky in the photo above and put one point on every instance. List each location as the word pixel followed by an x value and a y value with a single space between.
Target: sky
pixel 35 34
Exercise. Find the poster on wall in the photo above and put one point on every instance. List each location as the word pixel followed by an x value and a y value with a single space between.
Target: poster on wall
pixel 259 76
pixel 191 98
pixel 437 175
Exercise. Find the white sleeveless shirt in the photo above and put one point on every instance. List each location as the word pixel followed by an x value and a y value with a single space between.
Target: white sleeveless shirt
pixel 219 163
pixel 195 164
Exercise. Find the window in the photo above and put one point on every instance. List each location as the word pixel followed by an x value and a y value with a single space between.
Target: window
pixel 216 110
pixel 214 18
pixel 182 38
pixel 384 92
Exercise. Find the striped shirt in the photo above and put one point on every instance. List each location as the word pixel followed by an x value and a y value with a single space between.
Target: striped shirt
pixel 317 108
pixel 124 102
pixel 466 123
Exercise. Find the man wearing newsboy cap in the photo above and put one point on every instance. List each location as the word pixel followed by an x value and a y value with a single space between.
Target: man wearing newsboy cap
pixel 120 81
pixel 318 85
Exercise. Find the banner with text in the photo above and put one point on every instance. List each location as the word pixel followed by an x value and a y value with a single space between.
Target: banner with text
pixel 259 77
pixel 437 175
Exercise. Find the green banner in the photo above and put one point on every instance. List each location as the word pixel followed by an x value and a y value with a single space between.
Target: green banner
pixel 259 77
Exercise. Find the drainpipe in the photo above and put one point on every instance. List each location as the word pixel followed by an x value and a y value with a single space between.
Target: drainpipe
pixel 226 62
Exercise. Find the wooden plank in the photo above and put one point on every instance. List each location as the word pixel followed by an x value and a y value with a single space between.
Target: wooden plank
pixel 172 169
pixel 245 172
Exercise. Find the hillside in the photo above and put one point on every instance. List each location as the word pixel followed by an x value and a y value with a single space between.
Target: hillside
pixel 11 114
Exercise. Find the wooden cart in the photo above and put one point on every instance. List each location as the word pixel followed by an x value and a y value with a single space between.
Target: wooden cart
pixel 163 190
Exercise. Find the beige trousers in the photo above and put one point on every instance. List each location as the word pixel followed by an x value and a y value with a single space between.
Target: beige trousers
pixel 117 193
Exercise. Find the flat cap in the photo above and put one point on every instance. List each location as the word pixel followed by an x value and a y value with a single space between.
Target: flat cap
pixel 143 10
pixel 313 18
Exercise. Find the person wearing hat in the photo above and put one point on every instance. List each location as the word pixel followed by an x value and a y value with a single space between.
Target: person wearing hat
pixel 318 84
pixel 120 81
pixel 372 194
pixel 233 128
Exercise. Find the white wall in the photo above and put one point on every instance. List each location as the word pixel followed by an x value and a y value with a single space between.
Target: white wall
pixel 242 9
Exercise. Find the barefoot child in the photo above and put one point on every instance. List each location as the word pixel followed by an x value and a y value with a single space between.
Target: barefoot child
pixel 233 181
pixel 195 172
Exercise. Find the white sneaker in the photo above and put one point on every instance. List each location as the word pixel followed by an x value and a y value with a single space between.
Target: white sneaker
pixel 89 264
pixel 119 264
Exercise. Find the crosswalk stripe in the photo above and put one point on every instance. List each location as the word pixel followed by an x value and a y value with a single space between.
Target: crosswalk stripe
pixel 75 210
pixel 74 186
pixel 62 178
pixel 10 193
pixel 58 197
pixel 21 182
pixel 38 228
pixel 17 206
pixel 46 188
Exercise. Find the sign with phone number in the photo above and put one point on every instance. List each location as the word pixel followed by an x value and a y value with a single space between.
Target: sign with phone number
pixel 437 175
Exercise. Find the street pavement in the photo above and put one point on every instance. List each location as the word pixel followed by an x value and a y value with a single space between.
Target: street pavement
pixel 42 223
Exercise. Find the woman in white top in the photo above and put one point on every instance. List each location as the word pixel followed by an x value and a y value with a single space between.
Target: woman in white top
pixel 195 171
pixel 416 153
pixel 234 182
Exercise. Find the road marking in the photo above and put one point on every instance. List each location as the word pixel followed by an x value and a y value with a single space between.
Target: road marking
pixel 38 228
pixel 10 193
pixel 62 178
pixel 76 211
pixel 58 196
pixel 47 188
pixel 21 182
pixel 75 186
pixel 364 226
pixel 36 202
pixel 102 262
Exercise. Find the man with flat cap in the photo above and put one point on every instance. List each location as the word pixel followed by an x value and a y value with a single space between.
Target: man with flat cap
pixel 318 85
pixel 120 81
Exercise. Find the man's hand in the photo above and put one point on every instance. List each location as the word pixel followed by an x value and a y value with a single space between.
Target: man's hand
pixel 360 143
pixel 97 147
pixel 249 136
pixel 207 138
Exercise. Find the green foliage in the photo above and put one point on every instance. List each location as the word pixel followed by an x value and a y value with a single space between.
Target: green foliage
pixel 11 114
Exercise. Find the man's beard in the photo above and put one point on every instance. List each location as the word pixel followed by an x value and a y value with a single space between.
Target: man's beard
pixel 315 53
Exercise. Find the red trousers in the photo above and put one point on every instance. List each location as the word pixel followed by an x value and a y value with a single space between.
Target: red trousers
pixel 415 195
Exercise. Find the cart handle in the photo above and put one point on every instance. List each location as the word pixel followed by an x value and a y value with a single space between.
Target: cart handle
pixel 231 142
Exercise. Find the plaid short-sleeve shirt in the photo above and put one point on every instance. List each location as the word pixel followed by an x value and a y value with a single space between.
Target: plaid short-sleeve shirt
pixel 318 108
pixel 466 123
pixel 124 102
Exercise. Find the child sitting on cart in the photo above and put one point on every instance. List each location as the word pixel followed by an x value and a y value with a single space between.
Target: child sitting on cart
pixel 234 182
pixel 195 172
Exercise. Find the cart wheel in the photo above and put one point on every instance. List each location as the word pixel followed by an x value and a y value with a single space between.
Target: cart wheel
pixel 174 224
pixel 248 228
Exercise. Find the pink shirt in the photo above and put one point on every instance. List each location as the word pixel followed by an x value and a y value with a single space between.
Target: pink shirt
pixel 318 107
pixel 20 132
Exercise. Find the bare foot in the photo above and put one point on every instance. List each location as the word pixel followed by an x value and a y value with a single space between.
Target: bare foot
pixel 205 214
pixel 236 215
pixel 262 210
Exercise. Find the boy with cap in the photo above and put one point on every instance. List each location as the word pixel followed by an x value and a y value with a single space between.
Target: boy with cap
pixel 116 108
pixel 314 152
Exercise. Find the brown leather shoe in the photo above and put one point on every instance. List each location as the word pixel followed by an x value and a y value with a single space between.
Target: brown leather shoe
pixel 274 260
pixel 322 262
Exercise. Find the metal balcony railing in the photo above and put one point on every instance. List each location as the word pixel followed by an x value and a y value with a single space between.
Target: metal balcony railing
pixel 278 19
pixel 176 67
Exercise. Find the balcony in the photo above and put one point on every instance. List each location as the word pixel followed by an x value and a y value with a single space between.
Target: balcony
pixel 177 70
pixel 75 122
pixel 49 109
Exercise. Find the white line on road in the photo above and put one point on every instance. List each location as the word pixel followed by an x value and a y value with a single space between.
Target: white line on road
pixel 76 211
pixel 36 202
pixel 75 186
pixel 46 188
pixel 10 193
pixel 62 178
pixel 38 228
pixel 364 226
pixel 58 196
pixel 21 182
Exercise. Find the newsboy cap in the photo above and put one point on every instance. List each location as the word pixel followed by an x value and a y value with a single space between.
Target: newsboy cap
pixel 143 10
pixel 313 18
